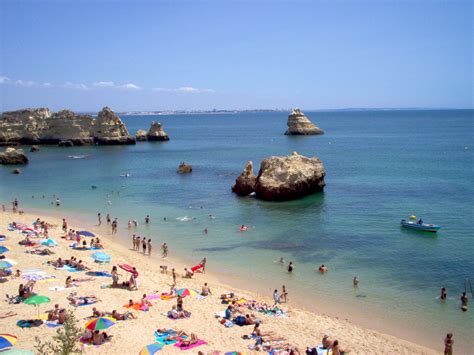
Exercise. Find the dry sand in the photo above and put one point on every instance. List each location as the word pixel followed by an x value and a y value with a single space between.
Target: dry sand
pixel 300 328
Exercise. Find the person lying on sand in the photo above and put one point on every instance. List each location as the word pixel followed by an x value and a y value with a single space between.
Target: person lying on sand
pixel 190 341
pixel 99 338
pixel 178 335
pixel 53 314
pixel 82 300
pixel 175 314
pixel 123 316
pixel 57 263
pixel 44 251
pixel 96 313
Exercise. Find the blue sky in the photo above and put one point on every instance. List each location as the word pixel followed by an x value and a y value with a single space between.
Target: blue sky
pixel 160 55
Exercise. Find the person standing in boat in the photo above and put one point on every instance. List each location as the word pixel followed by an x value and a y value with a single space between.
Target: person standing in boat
pixel 420 221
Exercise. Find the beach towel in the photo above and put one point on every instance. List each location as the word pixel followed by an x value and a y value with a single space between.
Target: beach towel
pixel 52 324
pixel 154 296
pixel 160 337
pixel 30 323
pixel 98 273
pixel 68 268
pixel 138 307
pixel 60 288
pixel 167 297
pixel 198 343
pixel 188 314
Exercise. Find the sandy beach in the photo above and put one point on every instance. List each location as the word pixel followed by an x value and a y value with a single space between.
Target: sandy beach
pixel 299 328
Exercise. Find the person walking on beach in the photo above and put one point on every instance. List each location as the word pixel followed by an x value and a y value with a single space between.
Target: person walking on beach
pixel 284 294
pixel 149 246
pixel 99 218
pixel 173 275
pixel 444 295
pixel 164 250
pixel 144 245
pixel 203 263
pixel 64 225
pixel 464 301
pixel 114 226
pixel 134 242
pixel 108 218
pixel 448 344
pixel 276 298
pixel 137 243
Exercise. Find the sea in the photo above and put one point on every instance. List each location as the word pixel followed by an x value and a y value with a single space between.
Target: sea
pixel 381 166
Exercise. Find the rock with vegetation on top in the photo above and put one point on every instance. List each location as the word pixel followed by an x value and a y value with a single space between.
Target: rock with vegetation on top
pixel 184 168
pixel 299 124
pixel 156 133
pixel 245 182
pixel 140 136
pixel 283 178
pixel 13 156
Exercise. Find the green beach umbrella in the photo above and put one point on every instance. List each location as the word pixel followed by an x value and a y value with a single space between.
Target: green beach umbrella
pixel 37 300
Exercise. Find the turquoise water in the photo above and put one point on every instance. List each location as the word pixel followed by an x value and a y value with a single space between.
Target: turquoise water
pixel 381 166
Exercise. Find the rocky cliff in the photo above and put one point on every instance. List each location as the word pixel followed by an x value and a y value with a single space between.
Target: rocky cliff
pixel 299 124
pixel 13 156
pixel 282 178
pixel 41 126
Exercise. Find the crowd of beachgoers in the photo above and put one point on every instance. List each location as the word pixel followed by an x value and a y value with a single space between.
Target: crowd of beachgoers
pixel 128 300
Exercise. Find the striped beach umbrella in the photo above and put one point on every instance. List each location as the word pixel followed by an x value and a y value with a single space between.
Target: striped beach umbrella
pixel 183 292
pixel 100 323
pixel 151 349
pixel 3 249
pixel 7 341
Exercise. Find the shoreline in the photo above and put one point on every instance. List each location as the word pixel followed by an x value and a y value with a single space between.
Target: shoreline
pixel 116 245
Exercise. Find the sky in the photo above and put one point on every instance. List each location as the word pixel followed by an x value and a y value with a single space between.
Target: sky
pixel 200 55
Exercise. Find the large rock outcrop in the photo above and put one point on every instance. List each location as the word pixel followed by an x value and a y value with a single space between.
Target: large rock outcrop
pixel 12 156
pixel 156 133
pixel 140 136
pixel 110 130
pixel 41 126
pixel 283 178
pixel 245 182
pixel 299 124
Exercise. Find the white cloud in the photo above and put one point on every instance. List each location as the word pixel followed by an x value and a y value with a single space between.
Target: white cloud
pixel 46 85
pixel 4 80
pixel 130 86
pixel 71 85
pixel 104 84
pixel 27 83
pixel 184 89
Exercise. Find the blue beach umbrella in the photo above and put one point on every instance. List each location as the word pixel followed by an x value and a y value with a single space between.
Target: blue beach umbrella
pixel 7 263
pixel 86 233
pixel 48 242
pixel 101 257
pixel 3 249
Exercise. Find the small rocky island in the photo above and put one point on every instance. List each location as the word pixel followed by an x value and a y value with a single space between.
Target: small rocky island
pixel 64 128
pixel 156 133
pixel 12 156
pixel 299 124
pixel 282 178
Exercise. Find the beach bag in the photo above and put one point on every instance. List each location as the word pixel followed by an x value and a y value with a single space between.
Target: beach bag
pixel 240 320
pixel 29 323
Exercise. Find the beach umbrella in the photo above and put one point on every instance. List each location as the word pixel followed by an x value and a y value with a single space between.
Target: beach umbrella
pixel 151 349
pixel 126 267
pixel 7 263
pixel 86 233
pixel 48 242
pixel 101 257
pixel 100 323
pixel 37 300
pixel 183 292
pixel 3 249
pixel 7 341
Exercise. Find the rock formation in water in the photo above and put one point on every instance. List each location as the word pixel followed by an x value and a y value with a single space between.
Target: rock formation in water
pixel 16 171
pixel 140 136
pixel 156 133
pixel 184 168
pixel 110 130
pixel 13 156
pixel 283 178
pixel 41 126
pixel 34 148
pixel 245 182
pixel 299 124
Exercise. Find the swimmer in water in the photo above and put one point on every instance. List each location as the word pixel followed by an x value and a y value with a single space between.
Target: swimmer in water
pixel 205 230
pixel 322 269
pixel 444 295
pixel 281 261
pixel 290 266
pixel 355 281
